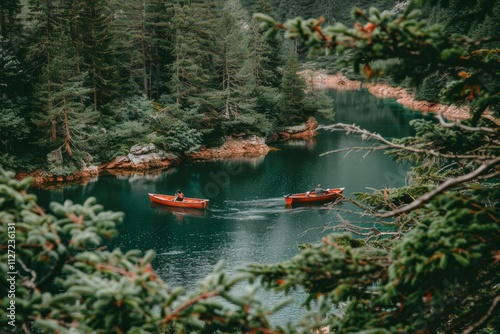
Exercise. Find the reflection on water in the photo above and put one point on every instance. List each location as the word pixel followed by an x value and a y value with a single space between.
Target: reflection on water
pixel 383 116
pixel 179 213
pixel 247 221
pixel 304 143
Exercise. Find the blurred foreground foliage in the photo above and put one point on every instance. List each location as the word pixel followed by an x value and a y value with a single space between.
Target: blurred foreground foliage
pixel 438 271
pixel 445 267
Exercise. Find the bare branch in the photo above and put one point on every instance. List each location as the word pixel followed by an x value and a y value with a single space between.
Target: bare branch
pixel 361 206
pixel 443 186
pixel 367 232
pixel 489 176
pixel 488 314
pixel 366 135
pixel 322 228
pixel 458 124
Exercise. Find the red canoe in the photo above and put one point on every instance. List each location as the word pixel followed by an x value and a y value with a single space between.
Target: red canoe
pixel 195 203
pixel 310 197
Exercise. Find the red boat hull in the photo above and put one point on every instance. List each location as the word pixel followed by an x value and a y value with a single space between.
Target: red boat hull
pixel 306 198
pixel 168 200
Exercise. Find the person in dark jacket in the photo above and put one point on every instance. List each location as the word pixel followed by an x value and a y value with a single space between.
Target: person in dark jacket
pixel 179 196
pixel 318 190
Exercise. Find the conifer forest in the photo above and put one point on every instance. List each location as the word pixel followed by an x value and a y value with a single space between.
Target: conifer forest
pixel 90 79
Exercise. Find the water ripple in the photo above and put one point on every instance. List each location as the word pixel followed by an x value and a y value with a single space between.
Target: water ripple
pixel 253 209
pixel 172 253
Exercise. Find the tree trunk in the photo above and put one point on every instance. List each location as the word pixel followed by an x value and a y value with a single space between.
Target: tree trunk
pixel 53 123
pixel 67 138
pixel 78 70
pixel 144 51
pixel 95 87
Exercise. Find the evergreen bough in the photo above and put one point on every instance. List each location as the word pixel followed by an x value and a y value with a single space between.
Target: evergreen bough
pixel 439 273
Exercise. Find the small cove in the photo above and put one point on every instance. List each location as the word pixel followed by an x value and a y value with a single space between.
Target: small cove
pixel 247 220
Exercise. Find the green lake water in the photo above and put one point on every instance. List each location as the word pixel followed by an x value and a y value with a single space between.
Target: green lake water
pixel 247 221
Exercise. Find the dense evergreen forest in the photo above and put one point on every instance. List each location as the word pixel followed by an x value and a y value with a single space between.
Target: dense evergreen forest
pixel 90 79
pixel 93 77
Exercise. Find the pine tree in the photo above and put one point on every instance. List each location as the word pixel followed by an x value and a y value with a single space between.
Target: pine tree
pixel 292 93
pixel 160 41
pixel 10 70
pixel 131 48
pixel 191 71
pixel 13 127
pixel 93 36
pixel 9 23
pixel 265 52
pixel 10 45
pixel 46 17
pixel 266 63
pixel 233 55
pixel 63 90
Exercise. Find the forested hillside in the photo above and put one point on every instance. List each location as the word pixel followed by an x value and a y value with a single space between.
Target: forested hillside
pixel 90 79
pixel 429 264
pixel 331 10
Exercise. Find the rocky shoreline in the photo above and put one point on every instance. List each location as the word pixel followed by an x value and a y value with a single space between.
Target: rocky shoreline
pixel 148 159
pixel 321 80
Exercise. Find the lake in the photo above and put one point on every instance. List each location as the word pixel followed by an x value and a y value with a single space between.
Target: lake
pixel 247 220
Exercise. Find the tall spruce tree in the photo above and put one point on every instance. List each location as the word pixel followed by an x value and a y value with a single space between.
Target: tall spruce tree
pixel 14 127
pixel 131 48
pixel 233 54
pixel 266 61
pixel 265 52
pixel 191 71
pixel 292 93
pixel 10 25
pixel 239 85
pixel 46 17
pixel 94 36
pixel 11 70
pixel 63 89
pixel 160 41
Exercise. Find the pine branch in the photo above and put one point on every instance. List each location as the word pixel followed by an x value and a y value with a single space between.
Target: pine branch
pixel 366 135
pixel 444 186
pixel 175 313
pixel 457 123
pixel 54 271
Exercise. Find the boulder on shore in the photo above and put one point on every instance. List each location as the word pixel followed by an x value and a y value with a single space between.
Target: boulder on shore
pixel 302 131
pixel 142 158
pixel 233 147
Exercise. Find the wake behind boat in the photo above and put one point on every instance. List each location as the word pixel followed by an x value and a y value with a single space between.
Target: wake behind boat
pixel 310 197
pixel 169 200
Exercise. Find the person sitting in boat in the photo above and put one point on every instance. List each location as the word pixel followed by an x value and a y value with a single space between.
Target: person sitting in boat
pixel 179 196
pixel 319 191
